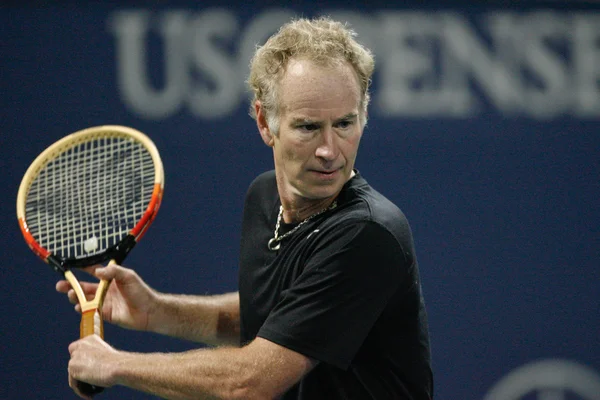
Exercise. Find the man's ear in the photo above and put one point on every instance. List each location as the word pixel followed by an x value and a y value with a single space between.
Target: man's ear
pixel 263 126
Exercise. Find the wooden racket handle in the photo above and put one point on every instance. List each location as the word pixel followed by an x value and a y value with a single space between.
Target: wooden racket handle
pixel 91 315
pixel 91 322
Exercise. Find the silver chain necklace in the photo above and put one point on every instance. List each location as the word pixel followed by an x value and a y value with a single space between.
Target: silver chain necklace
pixel 274 243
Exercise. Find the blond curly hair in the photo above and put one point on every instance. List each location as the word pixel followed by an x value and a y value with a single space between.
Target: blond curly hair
pixel 322 41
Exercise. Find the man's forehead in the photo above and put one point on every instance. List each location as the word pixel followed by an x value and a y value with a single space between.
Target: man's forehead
pixel 311 91
pixel 296 68
pixel 303 67
pixel 310 117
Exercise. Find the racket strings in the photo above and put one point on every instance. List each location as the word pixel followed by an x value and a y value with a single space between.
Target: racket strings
pixel 90 196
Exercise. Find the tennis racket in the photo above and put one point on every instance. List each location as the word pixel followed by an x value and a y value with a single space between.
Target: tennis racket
pixel 88 199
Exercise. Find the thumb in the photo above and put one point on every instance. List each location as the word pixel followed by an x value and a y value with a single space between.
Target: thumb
pixel 110 272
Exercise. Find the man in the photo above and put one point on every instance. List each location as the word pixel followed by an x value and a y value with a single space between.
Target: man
pixel 329 304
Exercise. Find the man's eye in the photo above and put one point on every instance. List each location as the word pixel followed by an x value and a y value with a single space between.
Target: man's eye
pixel 344 124
pixel 308 127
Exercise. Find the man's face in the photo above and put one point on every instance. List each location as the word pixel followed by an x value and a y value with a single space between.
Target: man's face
pixel 319 132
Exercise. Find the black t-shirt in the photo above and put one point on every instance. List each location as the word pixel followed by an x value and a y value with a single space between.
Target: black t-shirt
pixel 343 289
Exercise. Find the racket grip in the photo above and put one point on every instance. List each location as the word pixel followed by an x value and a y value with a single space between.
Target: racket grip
pixel 92 323
pixel 91 318
pixel 89 390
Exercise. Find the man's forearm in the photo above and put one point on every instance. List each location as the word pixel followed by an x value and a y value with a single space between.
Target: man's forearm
pixel 261 370
pixel 196 374
pixel 213 320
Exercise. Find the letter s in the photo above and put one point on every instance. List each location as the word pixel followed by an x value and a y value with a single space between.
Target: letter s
pixel 217 92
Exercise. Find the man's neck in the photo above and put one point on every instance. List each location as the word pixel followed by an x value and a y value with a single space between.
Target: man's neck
pixel 298 211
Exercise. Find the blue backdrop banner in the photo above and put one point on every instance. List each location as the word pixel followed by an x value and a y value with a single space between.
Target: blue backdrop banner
pixel 484 129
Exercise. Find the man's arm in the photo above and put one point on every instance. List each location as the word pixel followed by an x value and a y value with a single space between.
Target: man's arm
pixel 132 304
pixel 260 370
pixel 214 320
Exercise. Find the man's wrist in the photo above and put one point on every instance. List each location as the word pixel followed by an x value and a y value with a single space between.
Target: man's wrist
pixel 157 322
pixel 122 367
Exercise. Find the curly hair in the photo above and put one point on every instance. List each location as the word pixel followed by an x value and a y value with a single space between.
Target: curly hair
pixel 323 41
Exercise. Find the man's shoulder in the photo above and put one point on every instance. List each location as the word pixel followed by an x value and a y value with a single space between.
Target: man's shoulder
pixel 263 183
pixel 365 203
pixel 362 205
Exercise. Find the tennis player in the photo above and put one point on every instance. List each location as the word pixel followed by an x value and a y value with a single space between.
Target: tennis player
pixel 330 303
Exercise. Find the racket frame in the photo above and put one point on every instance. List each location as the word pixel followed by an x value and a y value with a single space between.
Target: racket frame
pixel 119 251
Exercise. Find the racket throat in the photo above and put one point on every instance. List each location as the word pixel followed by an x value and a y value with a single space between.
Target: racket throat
pixel 56 263
pixel 116 253
pixel 120 251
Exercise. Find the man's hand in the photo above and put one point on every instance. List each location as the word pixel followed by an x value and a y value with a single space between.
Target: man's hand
pixel 92 361
pixel 129 300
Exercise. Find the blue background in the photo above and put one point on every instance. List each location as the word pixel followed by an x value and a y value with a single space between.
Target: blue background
pixel 504 206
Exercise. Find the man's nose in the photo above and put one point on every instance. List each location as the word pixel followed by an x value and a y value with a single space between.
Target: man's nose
pixel 327 149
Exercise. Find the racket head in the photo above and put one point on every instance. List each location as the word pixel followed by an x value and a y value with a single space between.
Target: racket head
pixel 90 196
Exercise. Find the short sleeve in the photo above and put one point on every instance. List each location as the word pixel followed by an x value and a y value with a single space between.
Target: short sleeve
pixel 330 308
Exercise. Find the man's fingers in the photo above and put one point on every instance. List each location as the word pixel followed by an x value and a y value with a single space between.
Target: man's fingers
pixel 72 347
pixel 112 271
pixel 63 286
pixel 109 272
pixel 72 297
pixel 91 269
pixel 88 287
pixel 74 384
